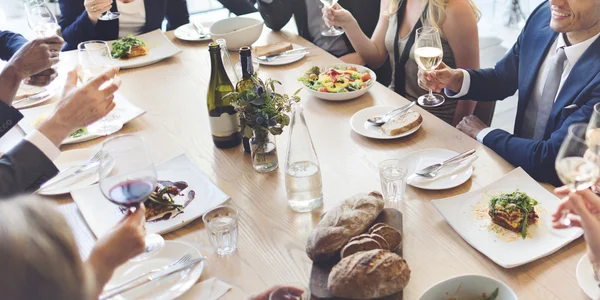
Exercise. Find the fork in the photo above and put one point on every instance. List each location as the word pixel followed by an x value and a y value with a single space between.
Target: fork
pixel 199 29
pixel 37 96
pixel 183 259
pixel 92 162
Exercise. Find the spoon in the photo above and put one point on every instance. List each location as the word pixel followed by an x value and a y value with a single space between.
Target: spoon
pixel 380 120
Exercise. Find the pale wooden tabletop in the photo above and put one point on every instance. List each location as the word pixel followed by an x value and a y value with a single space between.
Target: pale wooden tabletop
pixel 272 237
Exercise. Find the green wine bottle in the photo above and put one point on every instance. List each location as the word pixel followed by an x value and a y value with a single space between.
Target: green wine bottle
pixel 247 70
pixel 224 120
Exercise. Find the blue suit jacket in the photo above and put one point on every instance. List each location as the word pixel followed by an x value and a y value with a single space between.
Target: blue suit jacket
pixel 77 27
pixel 10 43
pixel 519 70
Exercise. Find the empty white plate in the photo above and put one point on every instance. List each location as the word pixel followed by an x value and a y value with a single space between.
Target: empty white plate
pixel 360 125
pixel 448 177
pixel 188 33
pixel 585 278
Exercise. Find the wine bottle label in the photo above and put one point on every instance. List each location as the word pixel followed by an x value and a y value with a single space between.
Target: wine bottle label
pixel 225 125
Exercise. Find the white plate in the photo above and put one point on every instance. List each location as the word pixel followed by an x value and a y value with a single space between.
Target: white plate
pixel 69 159
pixel 166 288
pixel 468 287
pixel 21 104
pixel 448 177
pixel 468 216
pixel 360 125
pixel 284 60
pixel 124 111
pixel 585 278
pixel 101 215
pixel 188 33
pixel 343 96
pixel 159 48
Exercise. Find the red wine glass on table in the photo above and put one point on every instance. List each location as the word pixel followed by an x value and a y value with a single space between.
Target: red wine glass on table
pixel 130 181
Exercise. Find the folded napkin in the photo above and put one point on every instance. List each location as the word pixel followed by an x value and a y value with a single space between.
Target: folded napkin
pixel 209 289
pixel 444 172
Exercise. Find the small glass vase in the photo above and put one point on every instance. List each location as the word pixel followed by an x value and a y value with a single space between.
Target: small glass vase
pixel 264 151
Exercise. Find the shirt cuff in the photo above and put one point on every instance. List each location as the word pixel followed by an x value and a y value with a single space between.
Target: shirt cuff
pixel 464 89
pixel 39 140
pixel 481 135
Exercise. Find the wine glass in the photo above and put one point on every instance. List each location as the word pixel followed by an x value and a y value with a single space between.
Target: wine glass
pixel 332 31
pixel 40 18
pixel 429 54
pixel 290 292
pixel 109 15
pixel 573 166
pixel 95 59
pixel 130 181
pixel 592 138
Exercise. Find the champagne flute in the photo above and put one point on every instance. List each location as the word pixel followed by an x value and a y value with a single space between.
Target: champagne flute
pixel 40 18
pixel 290 292
pixel 109 16
pixel 429 54
pixel 332 31
pixel 95 59
pixel 592 138
pixel 131 181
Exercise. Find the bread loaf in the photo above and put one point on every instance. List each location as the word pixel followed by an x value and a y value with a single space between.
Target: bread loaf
pixel 368 275
pixel 342 223
pixel 404 123
pixel 273 49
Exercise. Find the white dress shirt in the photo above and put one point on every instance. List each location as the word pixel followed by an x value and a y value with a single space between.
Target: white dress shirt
pixel 573 53
pixel 132 18
pixel 39 140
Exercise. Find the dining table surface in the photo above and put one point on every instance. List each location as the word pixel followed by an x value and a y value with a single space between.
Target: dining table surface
pixel 272 237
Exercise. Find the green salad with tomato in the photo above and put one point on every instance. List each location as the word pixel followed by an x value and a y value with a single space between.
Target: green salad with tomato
pixel 340 79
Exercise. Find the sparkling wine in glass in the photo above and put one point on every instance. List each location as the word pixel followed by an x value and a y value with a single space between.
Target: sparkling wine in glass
pixel 127 178
pixel 109 16
pixel 95 59
pixel 332 31
pixel 40 18
pixel 428 55
pixel 592 138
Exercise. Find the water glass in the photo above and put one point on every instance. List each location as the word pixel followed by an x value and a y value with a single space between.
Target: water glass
pixel 222 226
pixel 392 173
pixel 290 292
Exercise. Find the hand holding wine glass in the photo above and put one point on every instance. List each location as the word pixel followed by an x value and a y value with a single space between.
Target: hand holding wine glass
pixel 428 55
pixel 332 31
pixel 100 10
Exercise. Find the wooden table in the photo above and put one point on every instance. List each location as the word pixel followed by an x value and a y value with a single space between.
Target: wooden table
pixel 272 237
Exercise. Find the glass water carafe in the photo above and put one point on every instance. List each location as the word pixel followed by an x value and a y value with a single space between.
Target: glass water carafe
pixel 227 62
pixel 302 171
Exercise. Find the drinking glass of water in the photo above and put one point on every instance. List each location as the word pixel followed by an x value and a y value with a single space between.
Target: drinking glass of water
pixel 222 226
pixel 392 173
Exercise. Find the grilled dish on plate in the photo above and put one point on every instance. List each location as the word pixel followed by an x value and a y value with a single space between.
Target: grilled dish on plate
pixel 128 47
pixel 514 211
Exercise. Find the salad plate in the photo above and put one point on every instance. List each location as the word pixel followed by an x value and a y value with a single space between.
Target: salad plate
pixel 340 82
pixel 158 47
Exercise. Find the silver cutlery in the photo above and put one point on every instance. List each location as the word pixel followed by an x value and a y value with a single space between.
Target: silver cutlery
pixel 38 96
pixel 273 57
pixel 432 171
pixel 90 164
pixel 153 277
pixel 380 120
pixel 182 260
pixel 199 29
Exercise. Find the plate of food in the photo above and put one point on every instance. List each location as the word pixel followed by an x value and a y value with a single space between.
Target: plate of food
pixel 339 82
pixel 138 51
pixel 586 277
pixel 30 95
pixel 183 194
pixel 469 287
pixel 189 33
pixel 509 221
pixel 279 54
pixel 448 177
pixel 401 126
pixel 168 287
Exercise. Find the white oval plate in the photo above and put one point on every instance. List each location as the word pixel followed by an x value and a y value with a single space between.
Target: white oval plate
pixel 166 288
pixel 360 125
pixel 448 177
pixel 348 95
pixel 188 33
pixel 29 103
pixel 585 278
pixel 284 60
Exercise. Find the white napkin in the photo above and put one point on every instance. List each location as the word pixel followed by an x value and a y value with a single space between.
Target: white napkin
pixel 209 289
pixel 444 172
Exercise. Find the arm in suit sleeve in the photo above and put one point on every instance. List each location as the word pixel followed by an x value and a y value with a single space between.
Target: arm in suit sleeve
pixel 10 43
pixel 177 14
pixel 24 169
pixel 75 24
pixel 9 117
pixel 276 13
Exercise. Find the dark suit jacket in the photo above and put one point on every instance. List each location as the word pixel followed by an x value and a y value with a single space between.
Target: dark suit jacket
pixel 519 70
pixel 10 43
pixel 77 27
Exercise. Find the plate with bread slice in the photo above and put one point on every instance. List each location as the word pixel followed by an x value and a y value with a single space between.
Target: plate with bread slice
pixel 279 54
pixel 31 95
pixel 400 126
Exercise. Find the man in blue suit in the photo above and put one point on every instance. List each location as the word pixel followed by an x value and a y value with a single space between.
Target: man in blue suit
pixel 555 66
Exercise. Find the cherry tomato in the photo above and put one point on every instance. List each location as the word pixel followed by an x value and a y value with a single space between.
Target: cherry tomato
pixel 366 77
pixel 323 89
pixel 352 68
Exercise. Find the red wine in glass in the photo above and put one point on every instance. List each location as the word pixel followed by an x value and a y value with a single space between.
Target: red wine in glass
pixel 131 193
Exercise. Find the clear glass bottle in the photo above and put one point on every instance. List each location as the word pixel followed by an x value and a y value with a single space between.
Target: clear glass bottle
pixel 226 58
pixel 302 170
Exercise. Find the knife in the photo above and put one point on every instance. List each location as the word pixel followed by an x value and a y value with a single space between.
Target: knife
pixel 152 277
pixel 293 51
pixel 35 97
pixel 454 160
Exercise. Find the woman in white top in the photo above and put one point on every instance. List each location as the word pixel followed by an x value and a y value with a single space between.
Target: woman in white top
pixel 80 18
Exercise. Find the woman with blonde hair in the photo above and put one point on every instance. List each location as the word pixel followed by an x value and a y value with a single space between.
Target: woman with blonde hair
pixel 40 259
pixel 394 36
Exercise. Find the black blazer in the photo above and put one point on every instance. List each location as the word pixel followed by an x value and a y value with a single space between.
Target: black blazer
pixel 77 27
pixel 10 43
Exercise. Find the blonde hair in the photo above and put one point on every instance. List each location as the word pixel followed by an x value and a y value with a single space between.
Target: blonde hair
pixel 38 255
pixel 436 11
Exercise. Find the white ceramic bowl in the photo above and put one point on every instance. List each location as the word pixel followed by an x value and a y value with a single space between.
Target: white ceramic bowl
pixel 237 31
pixel 471 287
pixel 347 95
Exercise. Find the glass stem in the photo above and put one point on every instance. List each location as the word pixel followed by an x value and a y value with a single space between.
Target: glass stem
pixel 430 94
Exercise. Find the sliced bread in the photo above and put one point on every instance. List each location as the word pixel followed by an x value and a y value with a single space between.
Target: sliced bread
pixel 403 123
pixel 273 49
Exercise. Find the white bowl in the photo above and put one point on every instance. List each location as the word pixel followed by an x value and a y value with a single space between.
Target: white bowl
pixel 347 95
pixel 237 31
pixel 471 287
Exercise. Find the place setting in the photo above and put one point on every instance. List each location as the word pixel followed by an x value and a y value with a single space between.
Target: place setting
pixel 30 95
pixel 194 31
pixel 386 122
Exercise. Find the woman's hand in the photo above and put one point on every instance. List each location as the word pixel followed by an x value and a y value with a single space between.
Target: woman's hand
pixel 337 16
pixel 95 8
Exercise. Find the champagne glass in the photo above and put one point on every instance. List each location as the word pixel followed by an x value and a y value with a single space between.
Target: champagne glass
pixel 332 31
pixel 109 15
pixel 290 292
pixel 572 165
pixel 429 54
pixel 40 18
pixel 131 181
pixel 95 59
pixel 592 138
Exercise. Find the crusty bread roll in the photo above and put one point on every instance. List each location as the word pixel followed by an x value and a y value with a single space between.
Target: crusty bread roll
pixel 273 49
pixel 342 223
pixel 368 275
pixel 402 124
pixel 363 244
